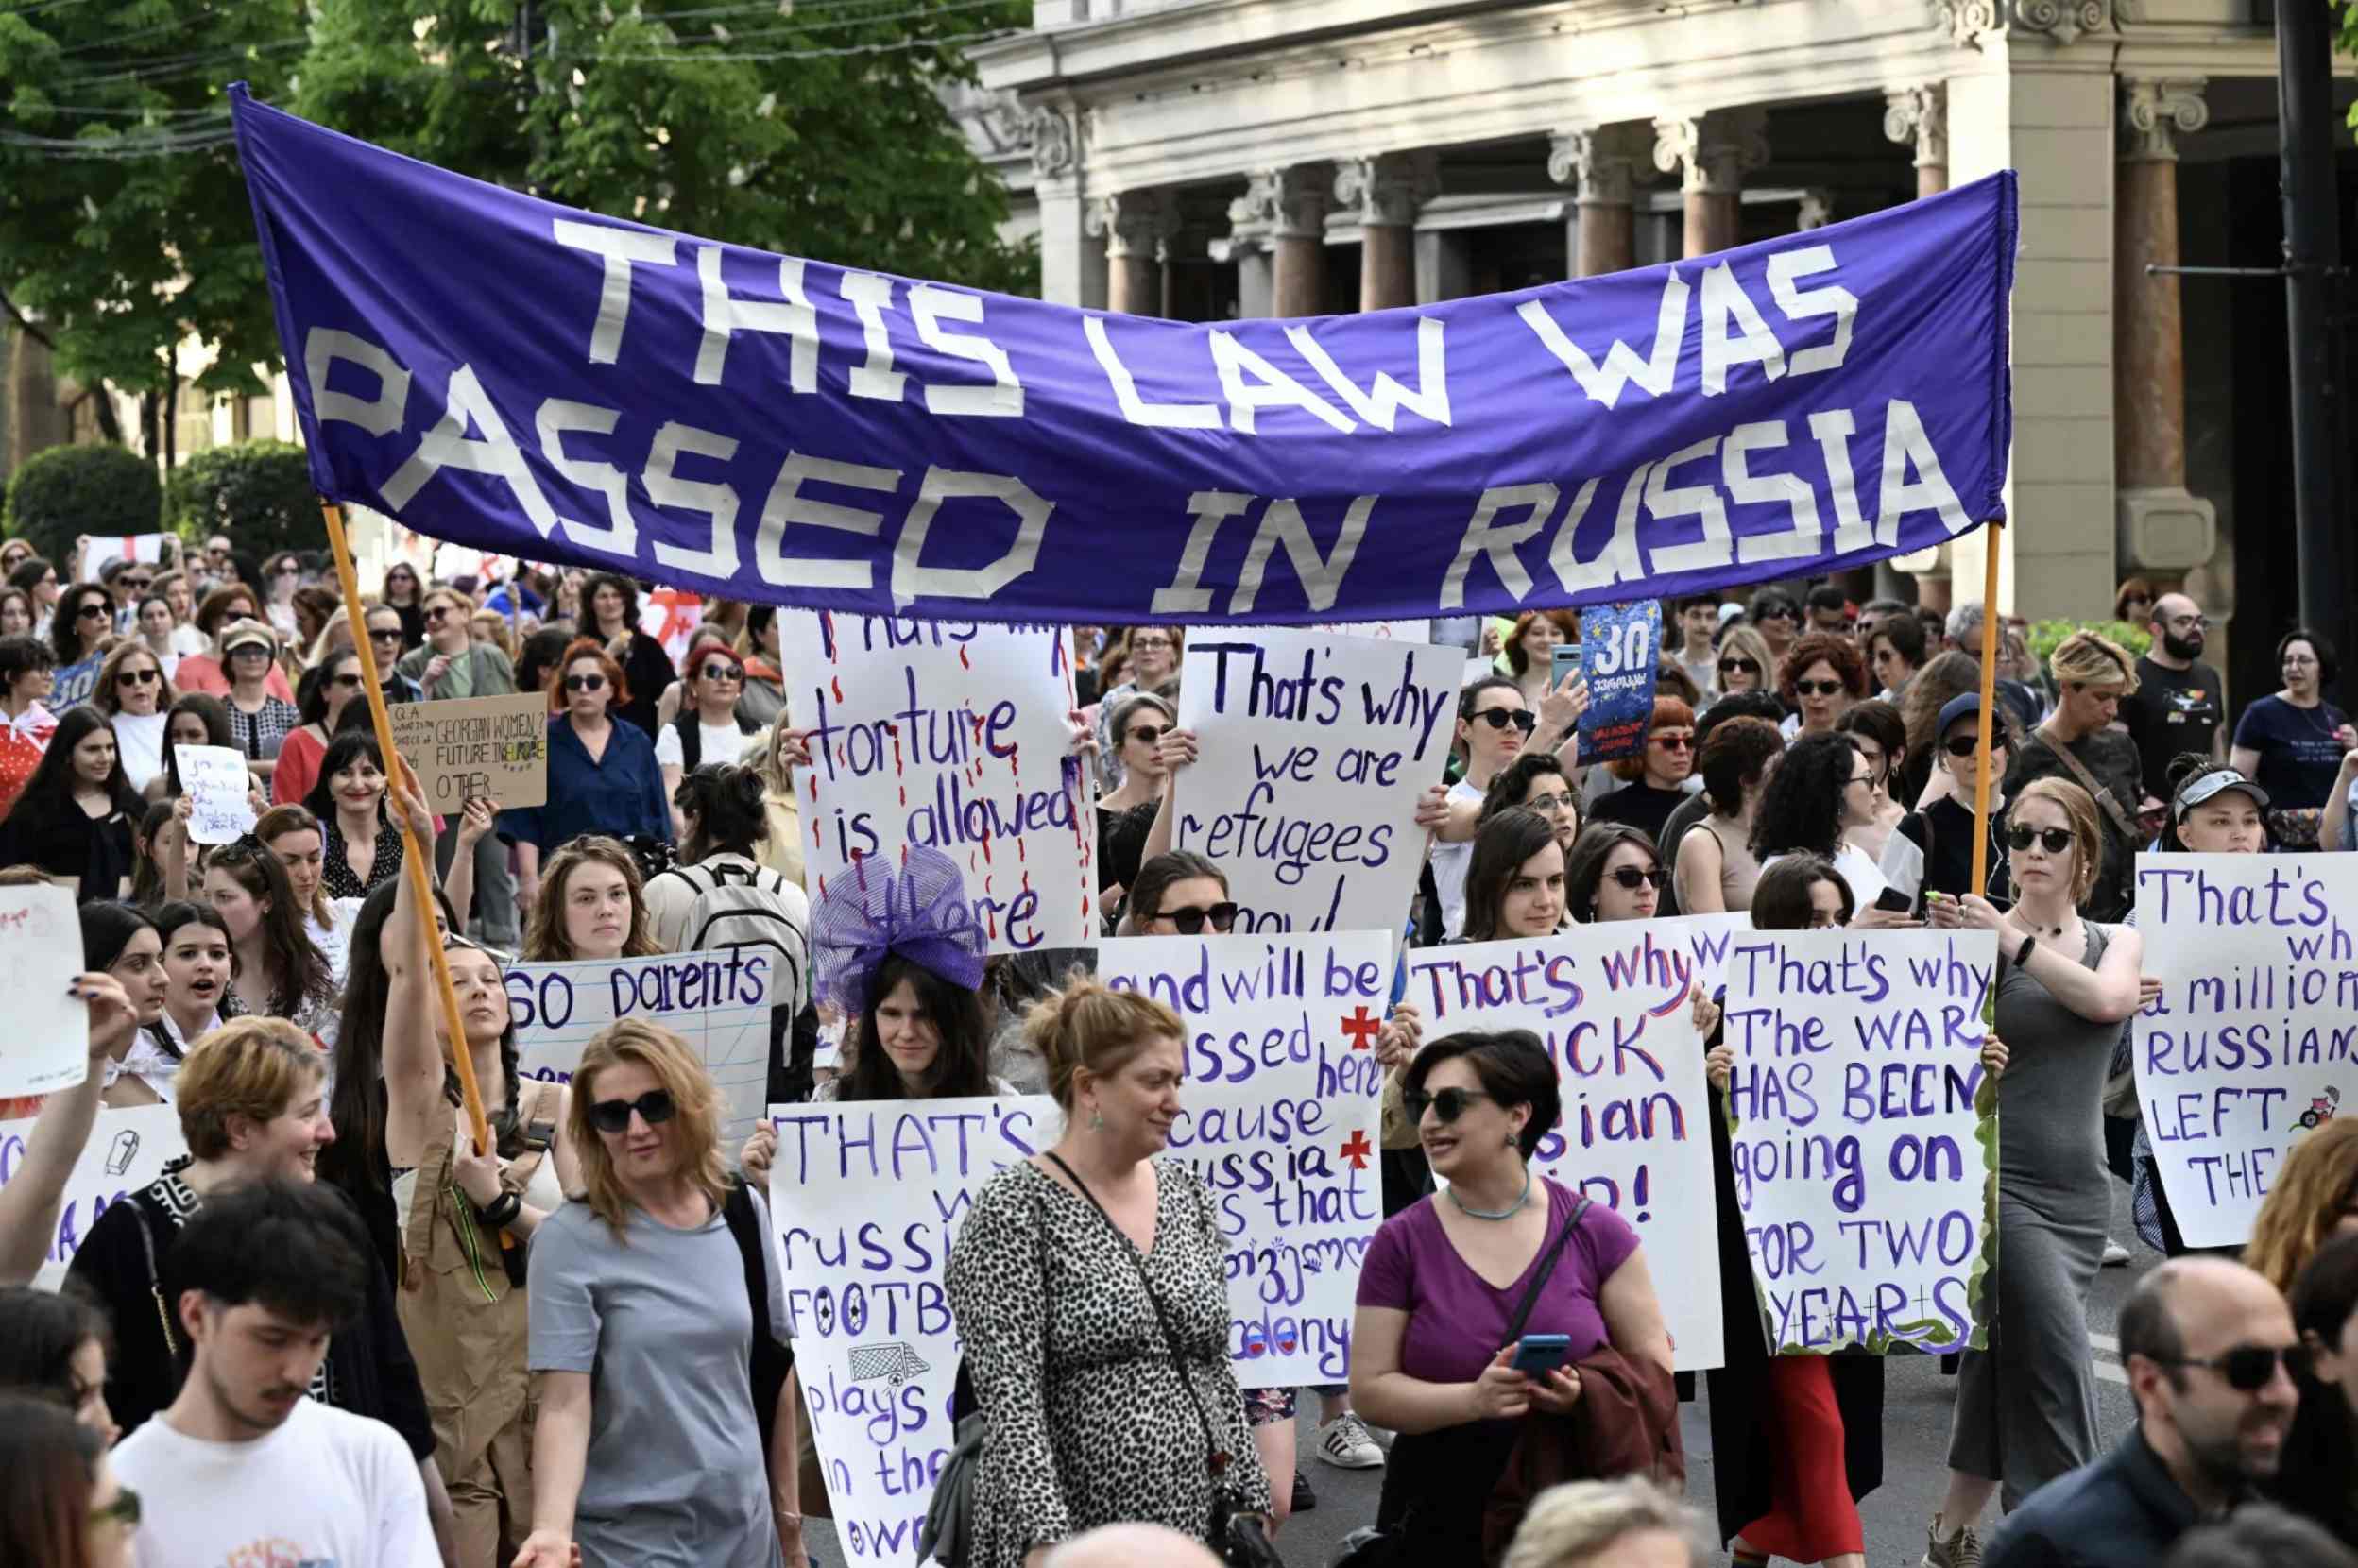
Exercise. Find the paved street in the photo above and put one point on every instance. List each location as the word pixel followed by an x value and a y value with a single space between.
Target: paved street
pixel 1915 1436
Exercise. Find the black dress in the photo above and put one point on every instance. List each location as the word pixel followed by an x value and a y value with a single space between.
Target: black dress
pixel 95 851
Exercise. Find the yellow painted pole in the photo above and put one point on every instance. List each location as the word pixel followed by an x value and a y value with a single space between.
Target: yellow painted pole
pixel 417 864
pixel 1988 699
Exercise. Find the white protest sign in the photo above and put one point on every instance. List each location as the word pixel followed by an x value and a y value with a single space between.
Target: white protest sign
pixel 1610 1002
pixel 97 551
pixel 951 733
pixel 866 1200
pixel 1315 749
pixel 1865 1144
pixel 216 783
pixel 127 1149
pixel 46 1044
pixel 2253 1043
pixel 718 1001
pixel 1279 1119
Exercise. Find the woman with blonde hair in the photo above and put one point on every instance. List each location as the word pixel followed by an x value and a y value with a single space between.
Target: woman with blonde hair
pixel 774 755
pixel 1745 662
pixel 591 905
pixel 661 1371
pixel 1089 1286
pixel 253 1102
pixel 2313 1200
pixel 1629 1522
pixel 2078 742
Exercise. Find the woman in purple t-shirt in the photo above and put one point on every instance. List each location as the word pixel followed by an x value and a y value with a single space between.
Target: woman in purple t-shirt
pixel 1432 1355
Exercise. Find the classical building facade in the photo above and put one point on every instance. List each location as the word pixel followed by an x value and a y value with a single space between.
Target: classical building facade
pixel 1202 159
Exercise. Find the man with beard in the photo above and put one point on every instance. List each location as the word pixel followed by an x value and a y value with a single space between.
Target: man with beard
pixel 246 1466
pixel 2210 1350
pixel 2177 706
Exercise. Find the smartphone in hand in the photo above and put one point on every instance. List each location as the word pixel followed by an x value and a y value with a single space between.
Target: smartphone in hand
pixel 1537 1354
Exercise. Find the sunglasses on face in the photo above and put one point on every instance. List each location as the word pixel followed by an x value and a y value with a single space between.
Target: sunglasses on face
pixel 585 683
pixel 385 634
pixel 2053 839
pixel 1740 667
pixel 655 1108
pixel 1499 718
pixel 92 611
pixel 350 682
pixel 2249 1369
pixel 1962 746
pixel 1149 733
pixel 1628 879
pixel 135 583
pixel 1775 613
pixel 436 612
pixel 723 672
pixel 1673 742
pixel 1447 1105
pixel 138 677
pixel 1817 687
pixel 1191 918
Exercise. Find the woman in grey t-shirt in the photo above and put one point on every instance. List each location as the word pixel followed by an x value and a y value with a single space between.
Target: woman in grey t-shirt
pixel 649 1453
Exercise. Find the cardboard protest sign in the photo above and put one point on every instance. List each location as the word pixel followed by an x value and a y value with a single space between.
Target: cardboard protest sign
pixel 216 783
pixel 717 1001
pixel 127 1149
pixel 45 1046
pixel 2250 1045
pixel 495 748
pixel 1864 1135
pixel 1620 645
pixel 1315 749
pixel 951 733
pixel 97 551
pixel 1280 1121
pixel 866 1200
pixel 1610 1002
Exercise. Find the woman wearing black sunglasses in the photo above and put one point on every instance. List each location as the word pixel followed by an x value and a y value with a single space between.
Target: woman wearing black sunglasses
pixel 655 1363
pixel 2027 1407
pixel 1930 855
pixel 1446 1280
pixel 1137 727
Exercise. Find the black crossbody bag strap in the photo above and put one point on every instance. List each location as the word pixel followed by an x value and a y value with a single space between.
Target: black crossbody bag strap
pixel 1217 1458
pixel 1546 1269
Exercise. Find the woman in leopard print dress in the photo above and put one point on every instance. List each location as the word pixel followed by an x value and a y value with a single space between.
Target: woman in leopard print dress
pixel 1092 1420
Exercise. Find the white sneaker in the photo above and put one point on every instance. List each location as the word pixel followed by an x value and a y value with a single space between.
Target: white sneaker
pixel 1345 1443
pixel 2115 1255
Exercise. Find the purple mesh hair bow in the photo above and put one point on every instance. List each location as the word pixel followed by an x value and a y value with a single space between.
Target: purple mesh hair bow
pixel 919 912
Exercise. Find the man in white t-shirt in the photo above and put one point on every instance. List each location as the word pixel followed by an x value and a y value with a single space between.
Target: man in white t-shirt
pixel 245 1466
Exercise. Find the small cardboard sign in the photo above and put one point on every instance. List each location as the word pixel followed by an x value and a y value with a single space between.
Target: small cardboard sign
pixel 496 748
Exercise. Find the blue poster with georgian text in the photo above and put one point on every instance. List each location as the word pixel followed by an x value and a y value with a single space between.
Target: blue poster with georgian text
pixel 531 380
pixel 1620 648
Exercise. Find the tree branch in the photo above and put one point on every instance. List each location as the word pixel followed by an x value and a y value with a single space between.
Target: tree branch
pixel 25 324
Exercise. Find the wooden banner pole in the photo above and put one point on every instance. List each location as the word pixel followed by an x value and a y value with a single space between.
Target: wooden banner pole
pixel 1991 536
pixel 418 861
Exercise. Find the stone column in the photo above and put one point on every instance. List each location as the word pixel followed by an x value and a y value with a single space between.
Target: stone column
pixel 1711 154
pixel 1290 206
pixel 2163 528
pixel 1817 211
pixel 1134 224
pixel 1920 114
pixel 1387 189
pixel 1601 165
pixel 1072 254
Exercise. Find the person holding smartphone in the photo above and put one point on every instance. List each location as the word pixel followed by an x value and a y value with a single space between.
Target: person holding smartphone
pixel 1455 1283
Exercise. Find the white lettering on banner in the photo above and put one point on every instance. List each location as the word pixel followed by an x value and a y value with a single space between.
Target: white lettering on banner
pixel 1315 751
pixel 1864 1135
pixel 1280 1120
pixel 128 1148
pixel 45 1047
pixel 619 248
pixel 867 1199
pixel 954 735
pixel 217 784
pixel 718 1001
pixel 1505 518
pixel 2253 1043
pixel 1610 1003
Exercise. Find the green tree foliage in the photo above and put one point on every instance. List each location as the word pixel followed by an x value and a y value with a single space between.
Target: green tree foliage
pixel 257 492
pixel 813 129
pixel 64 492
pixel 123 224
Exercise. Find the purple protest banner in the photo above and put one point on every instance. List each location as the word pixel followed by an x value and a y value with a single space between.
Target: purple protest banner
pixel 497 371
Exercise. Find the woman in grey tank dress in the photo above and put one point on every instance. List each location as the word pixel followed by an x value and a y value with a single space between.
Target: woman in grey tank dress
pixel 2027 1407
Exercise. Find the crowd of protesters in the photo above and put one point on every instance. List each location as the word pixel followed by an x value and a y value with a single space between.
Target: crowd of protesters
pixel 338 1327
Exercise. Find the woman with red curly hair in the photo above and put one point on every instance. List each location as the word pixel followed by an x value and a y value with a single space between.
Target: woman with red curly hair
pixel 1656 776
pixel 602 775
pixel 1821 676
